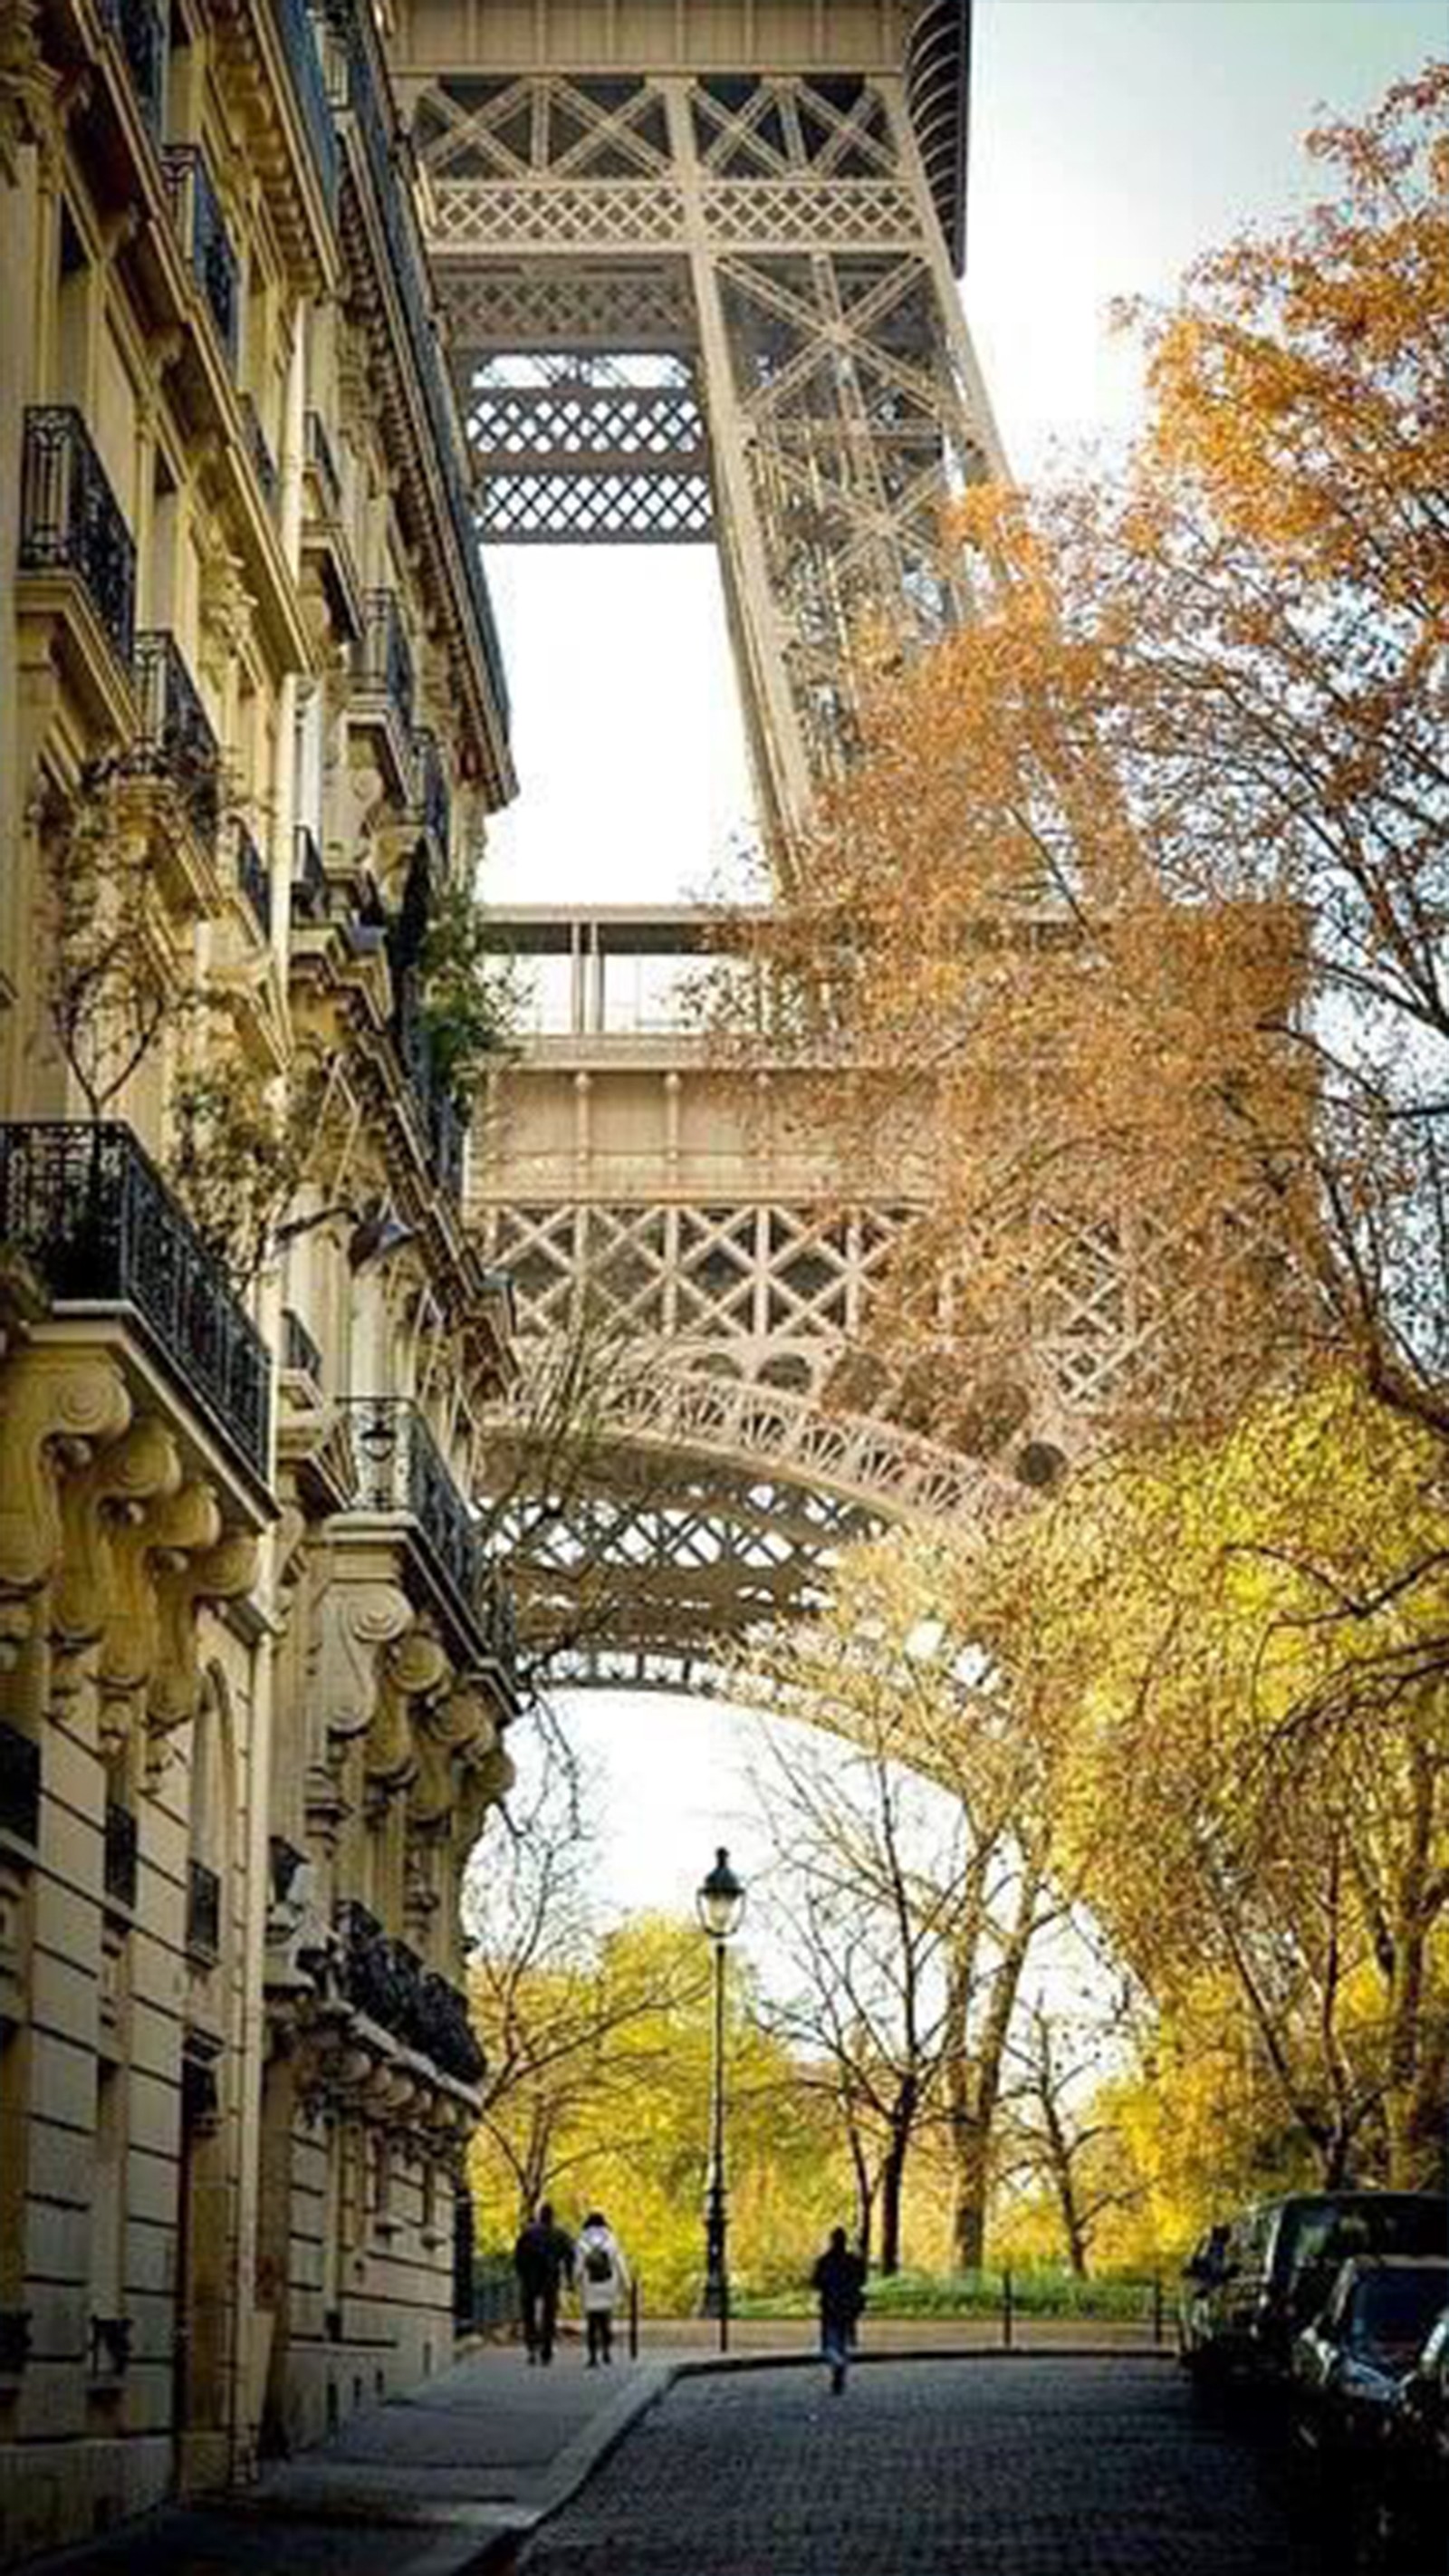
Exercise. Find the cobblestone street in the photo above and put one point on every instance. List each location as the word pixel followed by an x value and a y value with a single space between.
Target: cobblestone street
pixel 1035 2468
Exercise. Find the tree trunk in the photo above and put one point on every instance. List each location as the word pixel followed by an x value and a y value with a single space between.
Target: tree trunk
pixel 892 2184
pixel 893 2173
pixel 974 2087
pixel 968 2213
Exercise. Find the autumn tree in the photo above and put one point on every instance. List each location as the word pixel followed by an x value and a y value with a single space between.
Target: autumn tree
pixel 1061 2138
pixel 1124 938
pixel 552 2000
pixel 913 1872
pixel 1248 1644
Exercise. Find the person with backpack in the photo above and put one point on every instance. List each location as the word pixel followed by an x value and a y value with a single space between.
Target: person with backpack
pixel 543 2258
pixel 603 2281
pixel 839 2282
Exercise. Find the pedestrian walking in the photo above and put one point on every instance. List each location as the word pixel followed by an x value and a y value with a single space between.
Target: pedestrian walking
pixel 603 2282
pixel 839 2280
pixel 543 2258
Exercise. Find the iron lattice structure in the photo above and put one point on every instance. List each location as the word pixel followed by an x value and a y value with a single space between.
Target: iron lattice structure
pixel 697 269
pixel 674 1210
pixel 697 260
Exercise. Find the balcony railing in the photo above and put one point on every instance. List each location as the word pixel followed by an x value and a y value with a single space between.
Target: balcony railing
pixel 384 660
pixel 203 1911
pixel 140 29
pixel 322 462
pixel 299 43
pixel 264 463
pixel 19 1784
pixel 387 1981
pixel 255 880
pixel 120 1868
pixel 196 209
pixel 442 1121
pixel 70 519
pixel 175 741
pixel 311 893
pixel 299 1351
pixel 88 1206
pixel 435 801
pixel 409 270
pixel 400 1468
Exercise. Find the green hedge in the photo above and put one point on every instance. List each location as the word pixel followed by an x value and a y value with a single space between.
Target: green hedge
pixel 1041 2291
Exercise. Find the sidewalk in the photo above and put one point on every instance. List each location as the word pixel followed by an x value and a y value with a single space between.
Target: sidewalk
pixel 443 2481
pixel 436 2483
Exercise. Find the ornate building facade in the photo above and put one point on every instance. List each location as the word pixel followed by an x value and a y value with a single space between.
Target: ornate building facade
pixel 255 1669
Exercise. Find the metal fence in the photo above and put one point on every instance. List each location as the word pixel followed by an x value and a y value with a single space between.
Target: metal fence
pixel 1006 2311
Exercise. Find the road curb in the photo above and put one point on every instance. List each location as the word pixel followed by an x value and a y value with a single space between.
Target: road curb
pixel 865 2359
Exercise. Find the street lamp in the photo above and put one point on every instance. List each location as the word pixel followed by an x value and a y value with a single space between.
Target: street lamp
pixel 720 1903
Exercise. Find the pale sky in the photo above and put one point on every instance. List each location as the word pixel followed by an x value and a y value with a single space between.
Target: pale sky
pixel 1111 139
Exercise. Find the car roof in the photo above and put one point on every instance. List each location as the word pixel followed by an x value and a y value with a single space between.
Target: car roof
pixel 1361 2265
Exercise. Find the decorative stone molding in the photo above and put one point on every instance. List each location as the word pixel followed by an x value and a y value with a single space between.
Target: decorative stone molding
pixel 356 1621
pixel 141 1467
pixel 55 1406
pixel 28 87
pixel 224 1572
pixel 481 1787
pixel 169 1527
pixel 459 1729
pixel 227 609
pixel 411 1673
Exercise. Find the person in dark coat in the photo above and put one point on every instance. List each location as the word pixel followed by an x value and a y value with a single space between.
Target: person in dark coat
pixel 839 2281
pixel 543 2258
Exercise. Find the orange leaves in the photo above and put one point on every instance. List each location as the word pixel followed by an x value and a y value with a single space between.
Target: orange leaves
pixel 1300 379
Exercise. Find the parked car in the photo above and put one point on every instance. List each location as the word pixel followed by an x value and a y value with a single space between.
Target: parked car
pixel 1349 2363
pixel 1255 2282
pixel 1412 2484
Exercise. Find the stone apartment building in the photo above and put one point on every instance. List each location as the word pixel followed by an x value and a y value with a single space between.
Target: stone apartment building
pixel 255 1669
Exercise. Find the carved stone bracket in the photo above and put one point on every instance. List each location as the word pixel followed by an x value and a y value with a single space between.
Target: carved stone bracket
pixel 356 1621
pixel 28 86
pixel 55 1407
pixel 226 1571
pixel 163 1535
pixel 412 1672
pixel 456 1731
pixel 110 1494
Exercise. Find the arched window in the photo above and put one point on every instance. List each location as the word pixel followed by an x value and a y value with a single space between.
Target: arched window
pixel 209 1837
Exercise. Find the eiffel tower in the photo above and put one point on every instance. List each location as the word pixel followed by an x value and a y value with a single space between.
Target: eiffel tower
pixel 698 260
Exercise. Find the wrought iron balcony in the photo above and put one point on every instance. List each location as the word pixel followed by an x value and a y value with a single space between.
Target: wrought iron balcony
pixel 255 880
pixel 384 660
pixel 401 1469
pixel 19 1784
pixel 139 27
pixel 409 270
pixel 299 1351
pixel 175 741
pixel 203 1911
pixel 299 43
pixel 196 209
pixel 88 1206
pixel 442 1121
pixel 70 519
pixel 264 463
pixel 387 1981
pixel 120 1870
pixel 434 796
pixel 322 463
pixel 311 893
